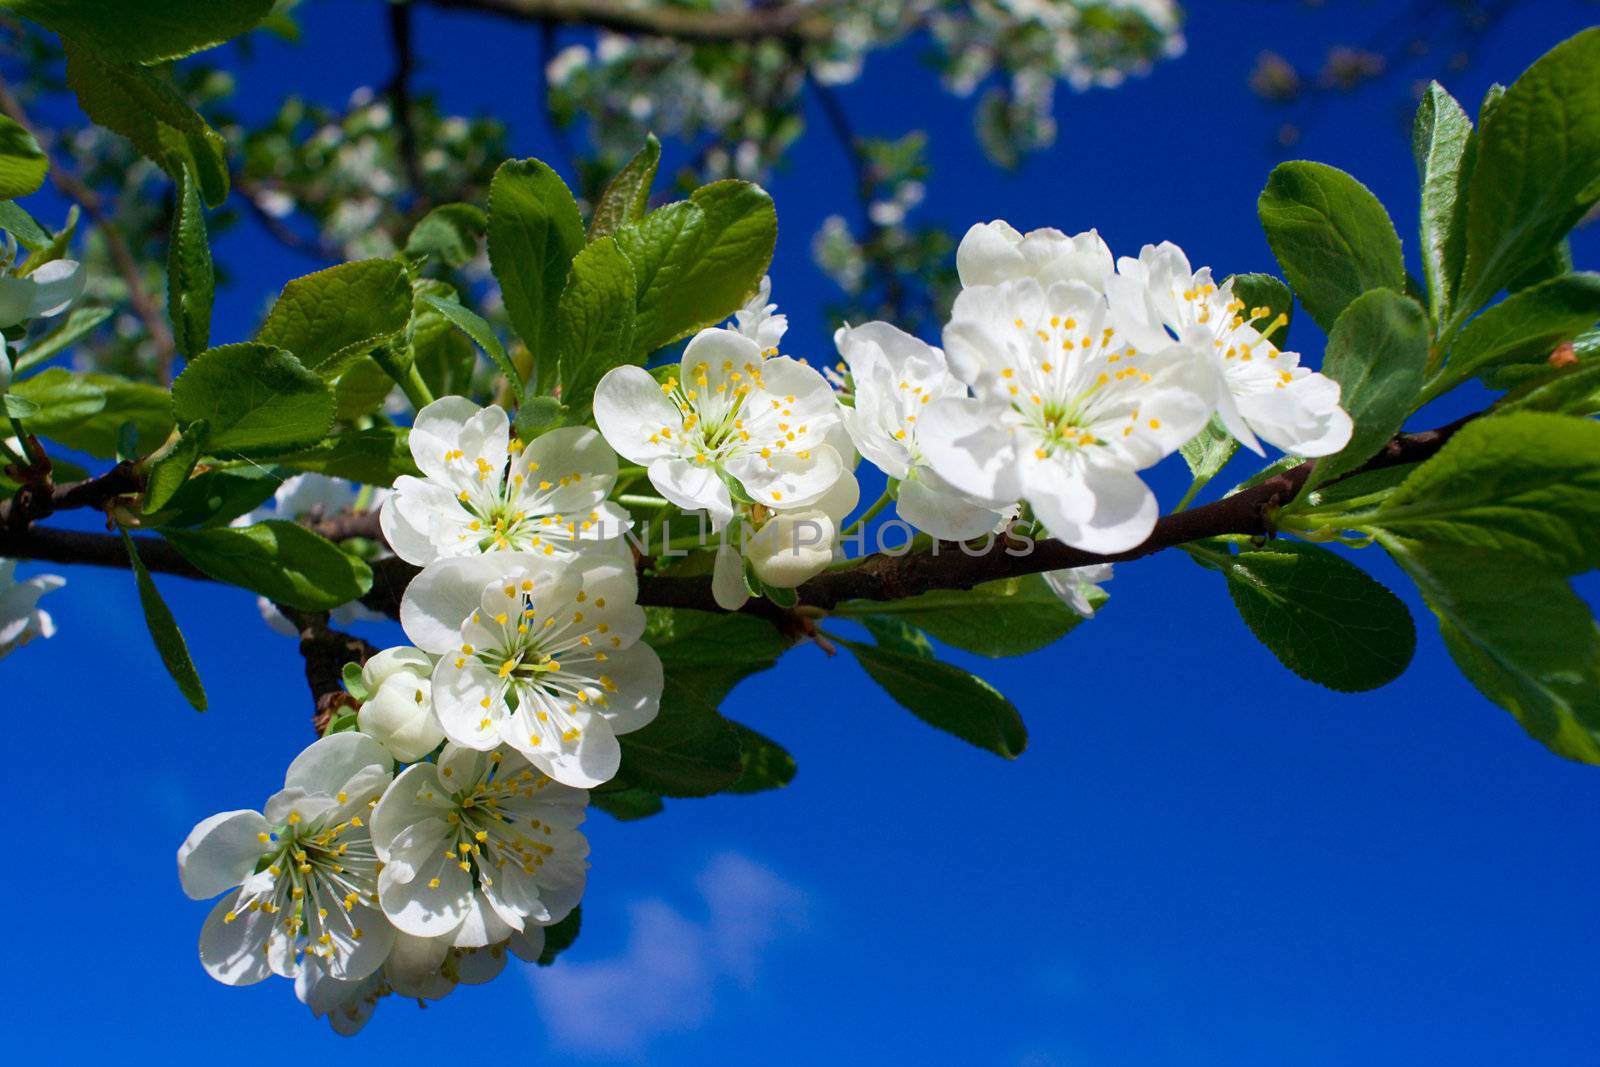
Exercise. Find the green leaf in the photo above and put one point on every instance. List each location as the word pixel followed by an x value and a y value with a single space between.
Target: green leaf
pixel 707 653
pixel 375 456
pixel 766 764
pixel 150 112
pixel 1567 391
pixel 87 411
pixel 1208 451
pixel 170 467
pixel 217 497
pixel 256 398
pixel 946 697
pixel 594 321
pixel 329 319
pixel 21 225
pixel 1332 237
pixel 537 414
pixel 534 231
pixel 558 937
pixel 688 750
pixel 1442 141
pixel 626 805
pixel 1525 483
pixel 449 233
pixel 144 31
pixel 1321 615
pixel 1527 325
pixel 1537 170
pixel 1266 291
pixel 164 631
pixel 1378 353
pixel 18 407
pixel 695 261
pixel 77 325
pixel 627 195
pixel 897 635
pixel 23 163
pixel 1009 617
pixel 191 281
pixel 282 561
pixel 482 333
pixel 1520 634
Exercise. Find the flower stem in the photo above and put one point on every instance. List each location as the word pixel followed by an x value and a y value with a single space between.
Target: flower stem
pixel 868 515
pixel 32 458
pixel 637 500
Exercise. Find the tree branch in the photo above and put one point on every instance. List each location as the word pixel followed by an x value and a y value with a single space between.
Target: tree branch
pixel 791 20
pixel 400 93
pixel 880 576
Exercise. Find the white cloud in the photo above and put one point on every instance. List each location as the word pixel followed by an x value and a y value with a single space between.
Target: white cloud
pixel 666 979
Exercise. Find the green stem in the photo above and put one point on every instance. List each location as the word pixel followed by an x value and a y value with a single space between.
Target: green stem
pixel 868 515
pixel 415 388
pixel 636 500
pixel 1189 494
pixel 29 453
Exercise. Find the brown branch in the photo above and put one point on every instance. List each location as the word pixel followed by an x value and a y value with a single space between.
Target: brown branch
pixel 326 651
pixel 400 94
pixel 73 188
pixel 785 21
pixel 41 499
pixel 253 194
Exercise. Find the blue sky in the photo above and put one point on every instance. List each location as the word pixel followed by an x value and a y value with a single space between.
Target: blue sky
pixel 1201 859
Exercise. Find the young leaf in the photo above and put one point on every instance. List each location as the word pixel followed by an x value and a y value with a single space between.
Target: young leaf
pixel 1527 325
pixel 1568 391
pixel 329 319
pixel 21 225
pixel 170 467
pixel 627 195
pixel 87 411
pixel 1378 353
pixel 626 805
pixel 946 697
pixel 1332 237
pixel 1009 617
pixel 482 333
pixel 534 231
pixel 695 261
pixel 1208 451
pixel 1441 140
pixel 146 109
pixel 23 163
pixel 1537 170
pixel 1520 634
pixel 164 631
pixel 216 497
pixel 280 560
pixel 1525 483
pixel 594 321
pixel 77 325
pixel 255 397
pixel 191 281
pixel 1321 615
pixel 449 233
pixel 144 31
pixel 375 456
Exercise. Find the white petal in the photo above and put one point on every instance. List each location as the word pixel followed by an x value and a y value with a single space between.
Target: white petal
pixel 630 408
pixel 431 904
pixel 230 951
pixel 727 579
pixel 937 509
pixel 326 765
pixel 402 806
pixel 989 254
pixel 967 447
pixel 1125 511
pixel 693 487
pixel 220 853
pixel 56 285
pixel 441 598
pixel 636 673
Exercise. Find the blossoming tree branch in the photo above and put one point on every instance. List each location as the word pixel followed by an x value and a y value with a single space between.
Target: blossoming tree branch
pixel 652 499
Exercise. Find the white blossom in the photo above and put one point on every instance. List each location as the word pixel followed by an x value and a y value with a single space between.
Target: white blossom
pixel 540 654
pixel 729 415
pixel 21 618
pixel 485 491
pixel 784 547
pixel 759 321
pixel 478 848
pixel 398 711
pixel 895 377
pixel 304 868
pixel 1263 391
pixel 1065 413
pixel 50 290
pixel 1077 586
pixel 992 253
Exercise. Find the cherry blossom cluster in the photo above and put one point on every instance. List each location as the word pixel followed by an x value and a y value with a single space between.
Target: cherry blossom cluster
pixel 1064 373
